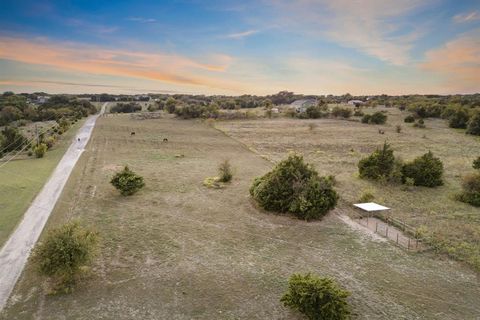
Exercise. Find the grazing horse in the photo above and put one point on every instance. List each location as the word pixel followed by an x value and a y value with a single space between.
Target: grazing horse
pixel 132 133
pixel 165 140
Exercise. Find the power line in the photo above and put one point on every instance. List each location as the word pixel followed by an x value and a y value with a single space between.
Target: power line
pixel 25 146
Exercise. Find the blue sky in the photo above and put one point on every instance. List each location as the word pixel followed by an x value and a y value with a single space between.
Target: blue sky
pixel 237 47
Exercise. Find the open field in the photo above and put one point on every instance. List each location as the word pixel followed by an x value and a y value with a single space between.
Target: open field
pixel 21 179
pixel 177 250
pixel 336 146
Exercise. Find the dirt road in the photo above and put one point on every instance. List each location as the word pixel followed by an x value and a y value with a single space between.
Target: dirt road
pixel 16 250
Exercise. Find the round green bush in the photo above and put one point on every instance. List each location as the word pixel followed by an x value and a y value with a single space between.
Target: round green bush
pixel 63 252
pixel 127 181
pixel 40 150
pixel 317 298
pixel 426 171
pixel 474 125
pixel 295 187
pixel 379 165
pixel 471 190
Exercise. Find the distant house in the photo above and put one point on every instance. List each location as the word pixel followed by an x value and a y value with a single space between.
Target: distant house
pixel 275 110
pixel 42 99
pixel 356 103
pixel 302 105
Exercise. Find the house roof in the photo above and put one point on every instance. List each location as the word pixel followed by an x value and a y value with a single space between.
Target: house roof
pixel 370 206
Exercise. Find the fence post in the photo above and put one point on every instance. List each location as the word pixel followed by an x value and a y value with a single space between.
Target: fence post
pixel 386 232
pixel 408 246
pixel 376 227
pixel 397 237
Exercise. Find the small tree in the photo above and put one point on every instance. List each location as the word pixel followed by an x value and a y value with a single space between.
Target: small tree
pixel 471 190
pixel 458 119
pixel 317 298
pixel 476 164
pixel 295 187
pixel 63 252
pixel 127 181
pixel 225 171
pixel 379 165
pixel 170 105
pixel 474 125
pixel 12 139
pixel 426 170
pixel 40 150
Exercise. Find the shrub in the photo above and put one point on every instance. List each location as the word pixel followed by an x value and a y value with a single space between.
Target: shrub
pixel 127 182
pixel 476 163
pixel 225 171
pixel 366 196
pixel 170 105
pixel 358 113
pixel 197 111
pixel 63 252
pixel 341 112
pixel 398 128
pixel 409 119
pixel 378 118
pixel 474 125
pixel 471 190
pixel 315 112
pixel 458 119
pixel 40 150
pixel 12 139
pixel 426 171
pixel 295 187
pixel 379 165
pixel 317 298
pixel 49 142
pixel 126 107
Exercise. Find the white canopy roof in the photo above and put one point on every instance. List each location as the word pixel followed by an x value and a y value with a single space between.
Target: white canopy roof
pixel 370 206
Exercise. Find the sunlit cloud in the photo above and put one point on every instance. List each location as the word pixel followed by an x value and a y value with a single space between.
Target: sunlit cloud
pixel 241 35
pixel 458 62
pixel 369 26
pixel 467 17
pixel 84 58
pixel 89 26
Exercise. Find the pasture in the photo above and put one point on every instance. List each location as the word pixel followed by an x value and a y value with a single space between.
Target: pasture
pixel 336 146
pixel 178 250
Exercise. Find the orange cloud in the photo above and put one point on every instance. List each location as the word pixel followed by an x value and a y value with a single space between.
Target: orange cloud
pixel 458 61
pixel 98 60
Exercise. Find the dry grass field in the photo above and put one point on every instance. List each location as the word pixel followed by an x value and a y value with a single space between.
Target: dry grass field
pixel 336 146
pixel 178 250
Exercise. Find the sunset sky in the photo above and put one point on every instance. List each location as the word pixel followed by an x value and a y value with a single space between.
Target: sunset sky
pixel 237 47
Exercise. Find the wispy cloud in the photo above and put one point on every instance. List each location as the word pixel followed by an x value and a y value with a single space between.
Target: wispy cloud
pixel 89 26
pixel 241 35
pixel 142 19
pixel 466 17
pixel 457 62
pixel 373 27
pixel 84 58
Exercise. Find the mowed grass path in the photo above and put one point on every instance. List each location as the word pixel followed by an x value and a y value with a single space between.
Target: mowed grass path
pixel 177 250
pixel 336 146
pixel 22 179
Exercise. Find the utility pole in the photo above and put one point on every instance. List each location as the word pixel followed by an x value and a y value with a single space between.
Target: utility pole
pixel 36 134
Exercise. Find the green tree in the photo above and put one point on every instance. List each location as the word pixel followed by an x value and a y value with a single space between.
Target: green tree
pixel 127 182
pixel 13 139
pixel 63 252
pixel 295 187
pixel 379 165
pixel 476 163
pixel 317 298
pixel 459 118
pixel 426 171
pixel 474 125
pixel 170 104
